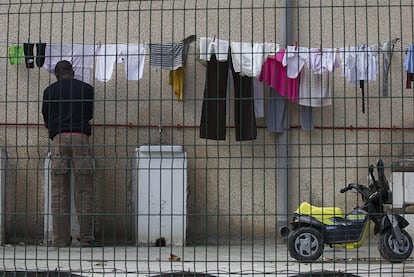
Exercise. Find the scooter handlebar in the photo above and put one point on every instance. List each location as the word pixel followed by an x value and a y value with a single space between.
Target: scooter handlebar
pixel 361 189
pixel 357 187
pixel 348 187
pixel 345 189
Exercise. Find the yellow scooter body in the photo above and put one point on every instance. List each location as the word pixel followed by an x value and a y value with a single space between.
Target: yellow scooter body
pixel 326 215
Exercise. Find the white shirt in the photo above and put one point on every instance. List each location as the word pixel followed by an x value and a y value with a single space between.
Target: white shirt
pixel 315 88
pixel 218 47
pixel 248 58
pixel 360 63
pixel 322 60
pixel 295 58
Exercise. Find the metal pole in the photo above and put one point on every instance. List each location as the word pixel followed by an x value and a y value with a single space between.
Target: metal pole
pixel 283 139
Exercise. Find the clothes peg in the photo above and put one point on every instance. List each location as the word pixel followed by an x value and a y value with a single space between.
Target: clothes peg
pixel 394 41
pixel 274 51
pixel 212 47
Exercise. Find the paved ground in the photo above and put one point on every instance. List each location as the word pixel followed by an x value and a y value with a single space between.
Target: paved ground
pixel 248 260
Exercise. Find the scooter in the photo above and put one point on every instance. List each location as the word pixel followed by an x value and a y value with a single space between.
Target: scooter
pixel 313 227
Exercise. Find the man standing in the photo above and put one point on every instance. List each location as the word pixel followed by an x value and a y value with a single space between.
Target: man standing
pixel 67 110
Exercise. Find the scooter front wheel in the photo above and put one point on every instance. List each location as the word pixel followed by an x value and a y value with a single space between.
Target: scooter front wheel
pixel 392 250
pixel 305 244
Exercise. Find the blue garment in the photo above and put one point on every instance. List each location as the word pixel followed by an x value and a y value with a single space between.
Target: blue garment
pixel 306 118
pixel 276 112
pixel 409 59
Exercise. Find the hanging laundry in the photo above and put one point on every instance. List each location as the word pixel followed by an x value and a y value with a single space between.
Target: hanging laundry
pixel 258 92
pixel 176 80
pixel 28 54
pixel 186 42
pixel 248 58
pixel 322 61
pixel 274 74
pixel 306 118
pixel 106 56
pixel 294 59
pixel 80 55
pixel 166 56
pixel 409 65
pixel 172 57
pixel 276 106
pixel 40 54
pixel 244 115
pixel 315 88
pixel 360 64
pixel 16 54
pixel 213 112
pixel 218 47
pixel 131 55
pixel 387 53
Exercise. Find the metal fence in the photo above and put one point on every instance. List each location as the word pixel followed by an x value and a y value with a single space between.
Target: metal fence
pixel 213 122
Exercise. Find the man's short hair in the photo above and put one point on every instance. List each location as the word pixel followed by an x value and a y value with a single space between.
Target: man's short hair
pixel 63 67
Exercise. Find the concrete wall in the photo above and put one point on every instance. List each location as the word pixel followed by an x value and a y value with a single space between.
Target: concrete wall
pixel 232 185
pixel 331 157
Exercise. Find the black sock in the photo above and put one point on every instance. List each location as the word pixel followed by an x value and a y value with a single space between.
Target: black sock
pixel 28 54
pixel 40 54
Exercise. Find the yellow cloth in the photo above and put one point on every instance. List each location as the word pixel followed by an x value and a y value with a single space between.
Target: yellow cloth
pixel 176 79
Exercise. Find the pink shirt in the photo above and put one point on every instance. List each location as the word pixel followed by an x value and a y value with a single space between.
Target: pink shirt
pixel 274 74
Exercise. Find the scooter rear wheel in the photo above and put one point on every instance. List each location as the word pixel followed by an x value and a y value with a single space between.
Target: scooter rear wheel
pixel 391 250
pixel 305 244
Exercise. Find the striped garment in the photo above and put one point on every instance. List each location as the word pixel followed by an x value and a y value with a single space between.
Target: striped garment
pixel 166 56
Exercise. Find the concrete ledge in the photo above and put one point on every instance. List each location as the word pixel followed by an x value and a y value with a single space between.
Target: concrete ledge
pixel 407 209
pixel 403 165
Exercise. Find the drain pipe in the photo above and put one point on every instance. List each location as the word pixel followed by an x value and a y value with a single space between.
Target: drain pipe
pixel 283 145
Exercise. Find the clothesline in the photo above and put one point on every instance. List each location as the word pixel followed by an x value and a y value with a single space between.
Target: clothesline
pixel 379 45
pixel 5 42
pixel 98 43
